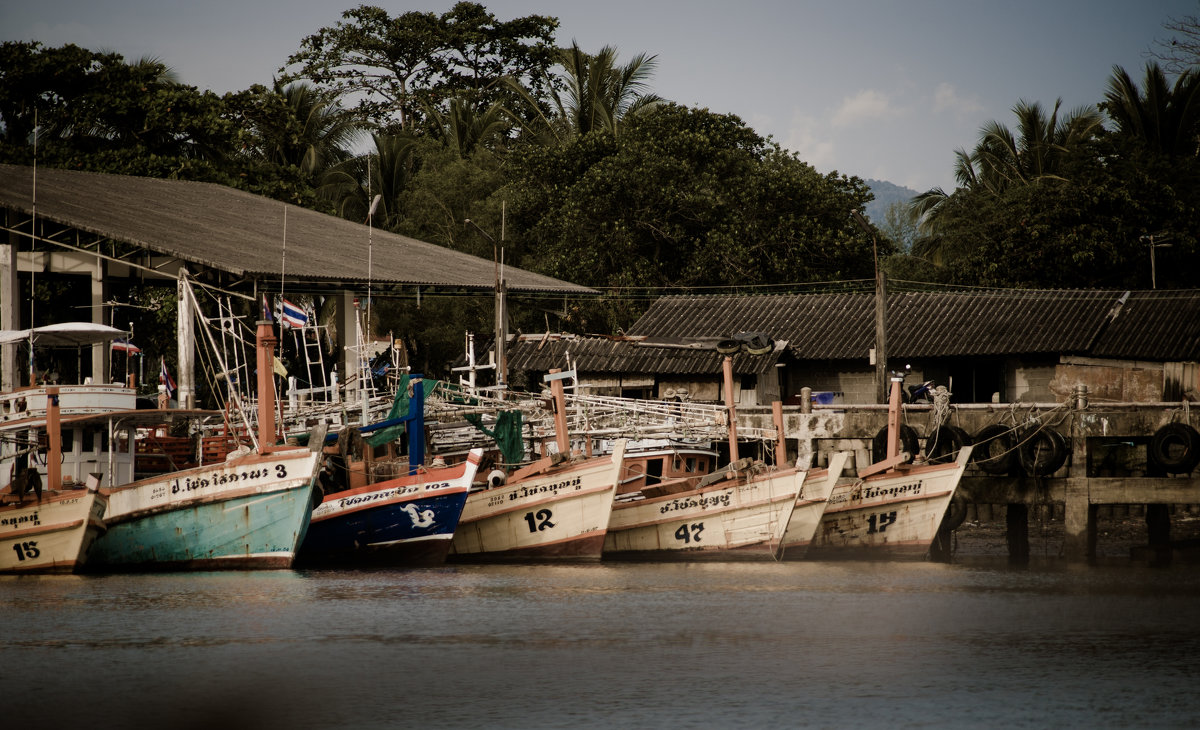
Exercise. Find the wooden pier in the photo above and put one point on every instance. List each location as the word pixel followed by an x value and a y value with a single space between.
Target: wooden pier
pixel 1107 464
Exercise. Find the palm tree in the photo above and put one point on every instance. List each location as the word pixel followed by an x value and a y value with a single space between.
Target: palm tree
pixel 387 172
pixel 1040 149
pixel 598 94
pixel 314 134
pixel 1164 118
pixel 464 128
pixel 1001 160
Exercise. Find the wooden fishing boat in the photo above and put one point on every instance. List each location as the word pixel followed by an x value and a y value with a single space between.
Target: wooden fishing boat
pixel 739 512
pixel 892 510
pixel 811 506
pixel 249 511
pixel 46 531
pixel 408 520
pixel 399 521
pixel 556 508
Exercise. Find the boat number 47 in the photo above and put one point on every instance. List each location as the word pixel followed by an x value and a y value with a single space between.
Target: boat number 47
pixel 689 533
pixel 880 522
pixel 26 550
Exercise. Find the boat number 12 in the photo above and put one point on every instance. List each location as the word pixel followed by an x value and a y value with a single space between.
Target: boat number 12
pixel 26 550
pixel 689 533
pixel 540 521
pixel 880 522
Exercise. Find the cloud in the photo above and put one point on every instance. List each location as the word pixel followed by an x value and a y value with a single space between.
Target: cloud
pixel 803 138
pixel 864 106
pixel 946 99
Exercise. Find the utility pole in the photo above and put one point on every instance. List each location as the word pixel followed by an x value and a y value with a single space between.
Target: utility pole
pixel 501 325
pixel 881 371
pixel 1149 240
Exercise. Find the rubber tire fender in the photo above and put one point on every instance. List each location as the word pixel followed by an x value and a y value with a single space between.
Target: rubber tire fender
pixel 1172 435
pixel 1043 451
pixel 909 442
pixel 944 443
pixel 990 438
pixel 956 513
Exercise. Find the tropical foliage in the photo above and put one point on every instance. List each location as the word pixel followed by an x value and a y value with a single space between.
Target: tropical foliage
pixel 567 163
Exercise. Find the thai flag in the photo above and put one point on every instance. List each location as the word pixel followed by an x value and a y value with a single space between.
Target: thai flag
pixel 127 347
pixel 164 377
pixel 292 315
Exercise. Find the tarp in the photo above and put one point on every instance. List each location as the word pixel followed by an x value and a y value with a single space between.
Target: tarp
pixel 399 410
pixel 507 434
pixel 65 334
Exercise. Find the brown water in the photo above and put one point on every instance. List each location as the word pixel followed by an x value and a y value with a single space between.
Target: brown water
pixel 831 645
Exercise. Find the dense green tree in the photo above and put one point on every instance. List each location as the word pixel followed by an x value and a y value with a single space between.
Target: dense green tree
pixel 684 198
pixel 391 67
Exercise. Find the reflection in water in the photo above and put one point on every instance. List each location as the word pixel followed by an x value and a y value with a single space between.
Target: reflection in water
pixel 707 645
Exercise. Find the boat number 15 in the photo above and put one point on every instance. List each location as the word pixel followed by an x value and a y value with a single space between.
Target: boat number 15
pixel 689 533
pixel 26 550
pixel 880 522
pixel 539 521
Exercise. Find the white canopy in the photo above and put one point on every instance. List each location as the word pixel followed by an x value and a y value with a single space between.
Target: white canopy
pixel 65 334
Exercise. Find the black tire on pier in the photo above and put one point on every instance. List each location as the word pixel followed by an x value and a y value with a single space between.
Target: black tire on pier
pixel 1043 451
pixel 1175 448
pixel 944 443
pixel 956 513
pixel 909 442
pixel 995 448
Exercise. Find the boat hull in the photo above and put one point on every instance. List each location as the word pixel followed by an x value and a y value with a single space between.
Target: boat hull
pixel 250 512
pixel 51 535
pixel 408 521
pixel 559 515
pixel 742 518
pixel 887 516
pixel 810 507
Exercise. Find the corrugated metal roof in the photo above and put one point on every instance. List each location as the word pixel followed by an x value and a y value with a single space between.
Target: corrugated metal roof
pixel 242 233
pixel 599 354
pixel 1153 325
pixel 1150 325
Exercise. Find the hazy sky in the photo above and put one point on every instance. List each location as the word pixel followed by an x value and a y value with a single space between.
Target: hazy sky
pixel 883 89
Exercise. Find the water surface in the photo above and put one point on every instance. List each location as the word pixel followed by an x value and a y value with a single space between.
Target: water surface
pixel 914 645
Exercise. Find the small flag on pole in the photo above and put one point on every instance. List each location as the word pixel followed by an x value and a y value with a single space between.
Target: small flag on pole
pixel 266 310
pixel 292 315
pixel 125 346
pixel 165 379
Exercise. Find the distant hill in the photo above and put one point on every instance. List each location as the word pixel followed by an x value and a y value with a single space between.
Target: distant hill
pixel 886 194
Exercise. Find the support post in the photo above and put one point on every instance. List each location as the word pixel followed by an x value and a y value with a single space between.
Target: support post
pixel 185 343
pixel 1017 534
pixel 561 437
pixel 100 350
pixel 881 371
pixel 1079 522
pixel 267 341
pixel 10 316
pixel 727 366
pixel 54 436
pixel 780 441
pixel 893 424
